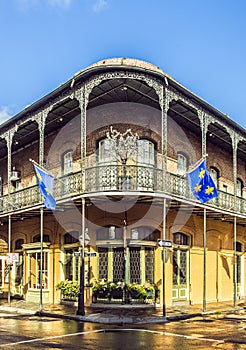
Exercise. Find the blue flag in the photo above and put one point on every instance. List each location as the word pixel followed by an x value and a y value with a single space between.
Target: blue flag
pixel 45 182
pixel 201 183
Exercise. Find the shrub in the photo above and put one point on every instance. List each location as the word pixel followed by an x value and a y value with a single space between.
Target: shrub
pixel 69 289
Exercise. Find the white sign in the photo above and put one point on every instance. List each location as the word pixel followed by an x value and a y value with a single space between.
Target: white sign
pixel 90 254
pixel 12 257
pixel 164 243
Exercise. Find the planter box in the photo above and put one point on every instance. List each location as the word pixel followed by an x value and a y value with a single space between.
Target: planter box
pixel 116 294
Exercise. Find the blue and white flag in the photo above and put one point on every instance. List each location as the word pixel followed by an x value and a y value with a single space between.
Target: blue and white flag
pixel 45 182
pixel 201 183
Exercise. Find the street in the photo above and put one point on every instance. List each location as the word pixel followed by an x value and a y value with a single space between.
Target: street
pixel 33 332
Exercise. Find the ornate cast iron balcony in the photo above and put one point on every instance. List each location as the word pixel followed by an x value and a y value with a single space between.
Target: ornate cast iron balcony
pixel 116 178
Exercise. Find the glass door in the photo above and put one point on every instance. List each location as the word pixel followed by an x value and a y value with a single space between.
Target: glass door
pixel 180 275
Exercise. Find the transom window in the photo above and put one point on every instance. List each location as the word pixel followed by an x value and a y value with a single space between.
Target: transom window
pixel 145 233
pixel 181 238
pixel 71 237
pixel 239 247
pixel 18 243
pixel 37 238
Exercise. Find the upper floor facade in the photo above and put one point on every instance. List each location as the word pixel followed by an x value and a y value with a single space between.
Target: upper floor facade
pixel 70 132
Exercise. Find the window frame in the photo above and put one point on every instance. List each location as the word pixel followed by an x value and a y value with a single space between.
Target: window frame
pixel 182 166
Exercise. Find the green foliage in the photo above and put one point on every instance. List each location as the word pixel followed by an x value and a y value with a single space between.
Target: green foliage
pixel 137 291
pixel 106 289
pixel 69 289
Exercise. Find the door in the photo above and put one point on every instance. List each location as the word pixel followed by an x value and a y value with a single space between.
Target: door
pixel 180 275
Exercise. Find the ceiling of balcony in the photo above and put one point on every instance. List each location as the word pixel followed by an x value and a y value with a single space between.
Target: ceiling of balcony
pixel 120 90
pixel 123 90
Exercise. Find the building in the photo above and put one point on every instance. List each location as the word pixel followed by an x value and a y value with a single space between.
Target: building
pixel 119 137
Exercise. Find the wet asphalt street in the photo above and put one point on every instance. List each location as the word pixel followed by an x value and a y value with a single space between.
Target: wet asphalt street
pixel 33 332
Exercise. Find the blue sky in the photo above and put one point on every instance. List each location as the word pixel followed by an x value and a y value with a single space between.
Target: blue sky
pixel 201 44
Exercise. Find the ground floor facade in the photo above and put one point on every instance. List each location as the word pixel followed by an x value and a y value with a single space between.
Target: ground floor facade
pixel 126 250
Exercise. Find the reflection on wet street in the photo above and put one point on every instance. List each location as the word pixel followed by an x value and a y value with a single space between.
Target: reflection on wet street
pixel 23 332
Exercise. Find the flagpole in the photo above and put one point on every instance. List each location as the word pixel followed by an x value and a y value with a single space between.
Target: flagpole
pixel 235 264
pixel 45 170
pixel 81 301
pixel 164 260
pixel 9 250
pixel 40 166
pixel 191 168
pixel 204 258
pixel 41 259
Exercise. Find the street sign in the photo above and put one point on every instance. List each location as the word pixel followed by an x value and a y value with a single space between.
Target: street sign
pixel 90 254
pixel 164 243
pixel 12 257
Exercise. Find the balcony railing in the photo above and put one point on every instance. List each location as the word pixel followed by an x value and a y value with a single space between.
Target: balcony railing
pixel 117 178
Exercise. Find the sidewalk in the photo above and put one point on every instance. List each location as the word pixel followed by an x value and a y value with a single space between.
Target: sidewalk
pixel 124 314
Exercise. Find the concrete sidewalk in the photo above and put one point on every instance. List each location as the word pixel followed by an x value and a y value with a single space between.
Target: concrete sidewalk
pixel 124 314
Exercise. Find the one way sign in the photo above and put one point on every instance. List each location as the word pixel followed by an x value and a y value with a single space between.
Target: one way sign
pixel 164 243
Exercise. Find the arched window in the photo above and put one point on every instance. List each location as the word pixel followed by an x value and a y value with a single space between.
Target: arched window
pixel 181 239
pixel 37 238
pixel 182 164
pixel 239 188
pixel 71 237
pixel 145 233
pixel 215 175
pixel 18 243
pixel 146 152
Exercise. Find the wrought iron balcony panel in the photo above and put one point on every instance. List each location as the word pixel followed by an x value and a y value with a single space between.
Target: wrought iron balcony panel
pixel 68 185
pixel 123 178
pixel 21 199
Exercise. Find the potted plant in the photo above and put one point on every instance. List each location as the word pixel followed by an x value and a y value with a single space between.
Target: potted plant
pixel 69 289
pixel 137 291
pixel 100 289
pixel 116 290
pixel 150 290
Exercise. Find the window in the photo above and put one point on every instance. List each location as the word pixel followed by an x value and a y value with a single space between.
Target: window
pixel 146 153
pixel 181 239
pixel 182 164
pixel 145 233
pixel 71 260
pixel 34 270
pixel 239 188
pixel 37 238
pixel 2 271
pixel 18 243
pixel 71 265
pixel 225 188
pixel 71 237
pixel 146 160
pixel 105 152
pixel 107 172
pixel 110 232
pixel 68 163
pixel 239 251
pixel 215 175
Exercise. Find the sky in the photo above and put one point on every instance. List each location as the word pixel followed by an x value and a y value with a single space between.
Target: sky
pixel 201 44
